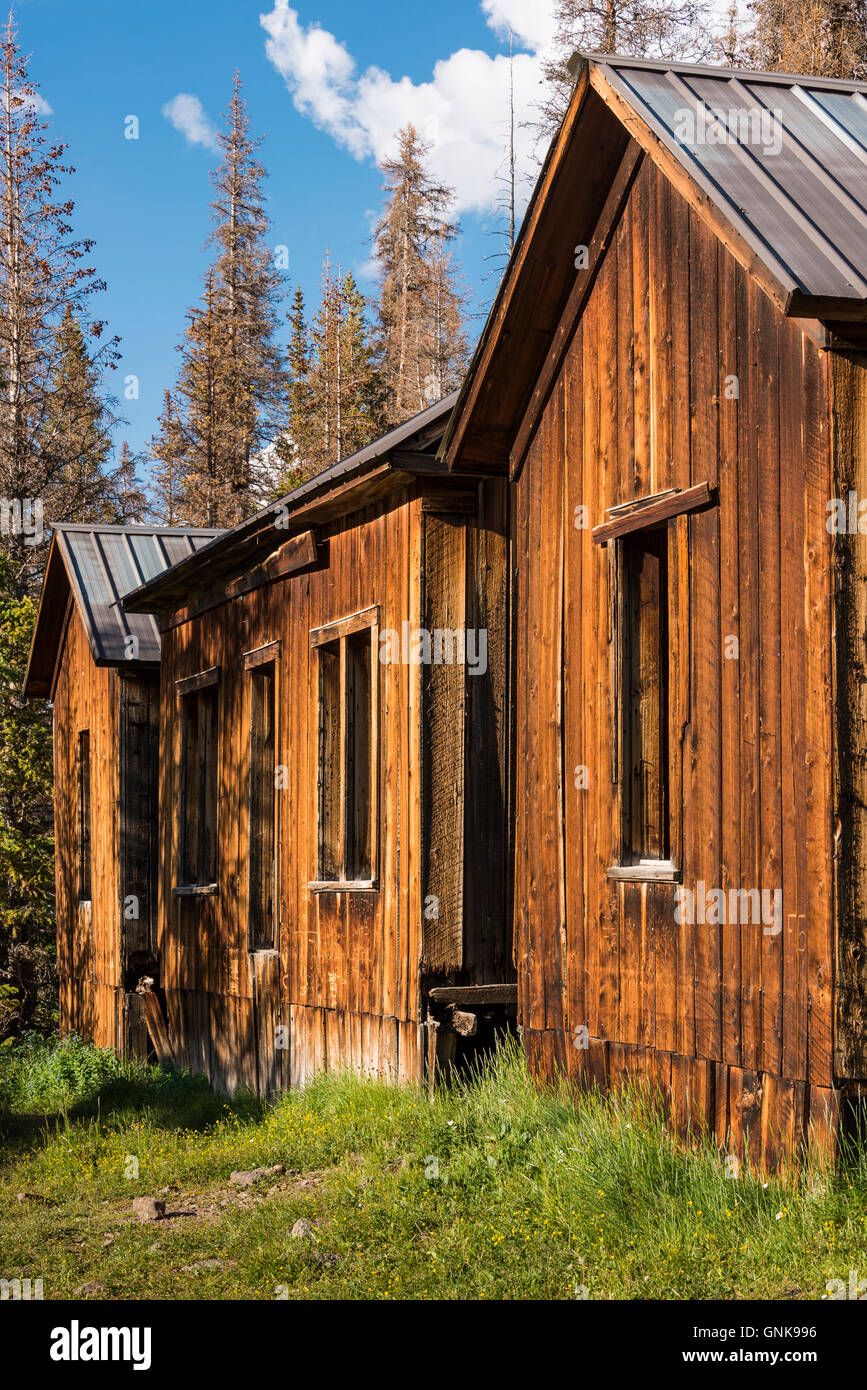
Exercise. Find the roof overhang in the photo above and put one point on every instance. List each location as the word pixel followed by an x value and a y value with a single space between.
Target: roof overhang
pixel 403 455
pixel 51 617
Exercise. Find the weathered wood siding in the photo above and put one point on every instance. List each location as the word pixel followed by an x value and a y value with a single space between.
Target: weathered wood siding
pixel 88 934
pixel 849 420
pixel 738 1023
pixel 346 980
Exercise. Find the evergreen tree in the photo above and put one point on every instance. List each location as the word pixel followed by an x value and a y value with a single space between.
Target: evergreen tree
pixel 77 430
pixel 325 360
pixel 166 451
pixel 213 479
pixel 230 401
pixel 132 501
pixel 45 288
pixel 336 392
pixel 424 351
pixel 27 949
pixel 449 351
pixel 362 388
pixel 296 449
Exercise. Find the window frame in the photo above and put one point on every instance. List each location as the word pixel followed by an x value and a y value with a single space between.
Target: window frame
pixel 83 821
pixel 629 859
pixel 667 513
pixel 266 655
pixel 186 688
pixel 339 632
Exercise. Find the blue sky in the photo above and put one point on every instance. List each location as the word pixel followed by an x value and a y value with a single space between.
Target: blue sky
pixel 326 81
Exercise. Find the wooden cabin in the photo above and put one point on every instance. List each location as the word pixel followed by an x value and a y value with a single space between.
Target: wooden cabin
pixel 332 839
pixel 100 670
pixel 673 379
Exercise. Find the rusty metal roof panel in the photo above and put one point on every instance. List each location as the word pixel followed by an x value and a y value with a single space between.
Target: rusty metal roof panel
pixel 783 157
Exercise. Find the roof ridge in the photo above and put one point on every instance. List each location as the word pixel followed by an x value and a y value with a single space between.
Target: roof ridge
pixel 839 84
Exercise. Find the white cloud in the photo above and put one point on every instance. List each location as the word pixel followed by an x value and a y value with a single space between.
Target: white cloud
pixel 38 104
pixel 531 23
pixel 462 111
pixel 34 102
pixel 187 115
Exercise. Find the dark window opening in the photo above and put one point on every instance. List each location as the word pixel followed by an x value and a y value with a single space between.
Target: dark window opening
pixel 644 684
pixel 358 756
pixel 199 726
pixel 84 854
pixel 330 778
pixel 263 808
pixel 346 787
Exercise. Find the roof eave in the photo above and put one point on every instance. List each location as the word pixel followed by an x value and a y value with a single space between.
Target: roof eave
pixel 36 686
pixel 312 506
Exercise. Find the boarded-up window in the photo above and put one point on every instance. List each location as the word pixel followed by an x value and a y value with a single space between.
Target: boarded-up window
pixel 263 807
pixel 345 656
pixel 198 808
pixel 644 704
pixel 84 853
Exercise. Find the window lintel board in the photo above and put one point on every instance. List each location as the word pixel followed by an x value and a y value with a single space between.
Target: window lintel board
pixel 650 511
pixel 344 627
pixel 261 656
pixel 188 685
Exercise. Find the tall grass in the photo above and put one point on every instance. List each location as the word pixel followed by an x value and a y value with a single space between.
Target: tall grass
pixel 496 1189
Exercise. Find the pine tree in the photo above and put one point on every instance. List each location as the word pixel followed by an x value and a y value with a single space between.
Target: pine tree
pixel 27 950
pixel 325 361
pixel 166 450
pixel 449 350
pixel 420 308
pixel 230 400
pixel 673 29
pixel 77 430
pixel 131 497
pixel 296 449
pixel 45 285
pixel 362 387
pixel 213 477
pixel 336 391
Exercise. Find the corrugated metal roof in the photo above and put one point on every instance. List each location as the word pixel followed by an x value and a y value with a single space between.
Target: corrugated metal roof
pixel 106 562
pixel 783 157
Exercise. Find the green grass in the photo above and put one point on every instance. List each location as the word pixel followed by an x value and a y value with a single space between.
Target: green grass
pixel 496 1190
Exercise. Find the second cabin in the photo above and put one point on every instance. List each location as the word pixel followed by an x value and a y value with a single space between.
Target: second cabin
pixel 332 856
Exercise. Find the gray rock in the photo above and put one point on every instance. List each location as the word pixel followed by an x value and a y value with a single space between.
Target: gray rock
pixel 149 1209
pixel 303 1229
pixel 246 1177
